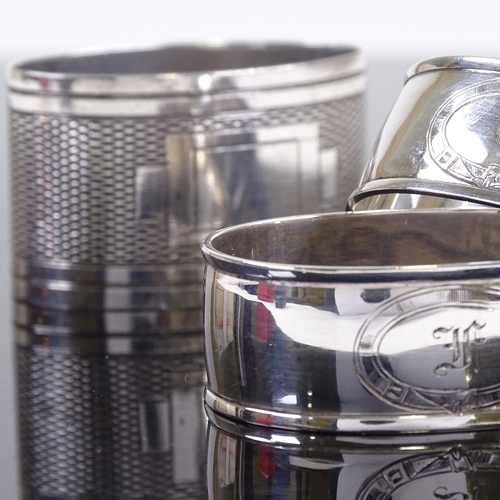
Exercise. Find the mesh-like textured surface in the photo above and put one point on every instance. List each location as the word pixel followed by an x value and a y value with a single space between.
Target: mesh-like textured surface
pixel 80 426
pixel 74 178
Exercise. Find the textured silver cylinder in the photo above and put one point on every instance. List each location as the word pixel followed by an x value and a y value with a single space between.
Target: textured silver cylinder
pixel 120 158
pixel 121 162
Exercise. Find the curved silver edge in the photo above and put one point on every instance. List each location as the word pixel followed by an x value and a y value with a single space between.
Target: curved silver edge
pixel 114 275
pixel 365 424
pixel 463 192
pixel 181 345
pixel 353 443
pixel 341 62
pixel 473 63
pixel 258 270
pixel 190 106
pixel 411 201
pixel 44 321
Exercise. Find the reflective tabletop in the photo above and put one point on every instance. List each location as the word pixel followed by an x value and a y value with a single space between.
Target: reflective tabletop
pixel 252 462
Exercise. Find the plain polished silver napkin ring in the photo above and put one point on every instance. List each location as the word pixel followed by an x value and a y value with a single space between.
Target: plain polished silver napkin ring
pixel 361 322
pixel 440 146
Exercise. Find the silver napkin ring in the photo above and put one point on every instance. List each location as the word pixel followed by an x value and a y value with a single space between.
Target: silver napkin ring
pixel 361 322
pixel 247 462
pixel 122 160
pixel 440 146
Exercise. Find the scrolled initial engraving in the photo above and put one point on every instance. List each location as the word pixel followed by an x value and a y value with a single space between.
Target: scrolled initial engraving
pixel 490 178
pixel 461 345
pixel 405 355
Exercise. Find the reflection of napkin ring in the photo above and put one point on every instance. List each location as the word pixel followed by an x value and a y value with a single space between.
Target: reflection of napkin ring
pixel 356 322
pixel 440 146
pixel 259 462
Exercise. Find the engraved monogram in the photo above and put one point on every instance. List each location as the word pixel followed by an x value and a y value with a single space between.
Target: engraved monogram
pixel 406 472
pixel 428 350
pixel 461 345
pixel 464 135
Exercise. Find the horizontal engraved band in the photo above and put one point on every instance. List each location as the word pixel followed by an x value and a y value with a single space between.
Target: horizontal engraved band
pixel 179 345
pixel 103 322
pixel 110 275
pixel 73 296
pixel 157 106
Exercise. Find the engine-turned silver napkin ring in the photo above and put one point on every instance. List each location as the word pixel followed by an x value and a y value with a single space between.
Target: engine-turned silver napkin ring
pixel 362 322
pixel 122 161
pixel 440 146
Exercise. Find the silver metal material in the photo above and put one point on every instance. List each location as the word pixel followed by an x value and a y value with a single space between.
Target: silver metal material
pixel 185 70
pixel 96 321
pixel 66 341
pixel 95 426
pixel 370 322
pixel 138 185
pixel 228 102
pixel 68 295
pixel 411 201
pixel 122 161
pixel 441 139
pixel 181 270
pixel 247 462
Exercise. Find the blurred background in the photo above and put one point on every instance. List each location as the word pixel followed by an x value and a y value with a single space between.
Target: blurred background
pixel 392 34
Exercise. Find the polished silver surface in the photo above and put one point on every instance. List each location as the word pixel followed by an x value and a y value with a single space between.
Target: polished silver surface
pixel 184 69
pixel 362 322
pixel 411 201
pixel 247 462
pixel 440 140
